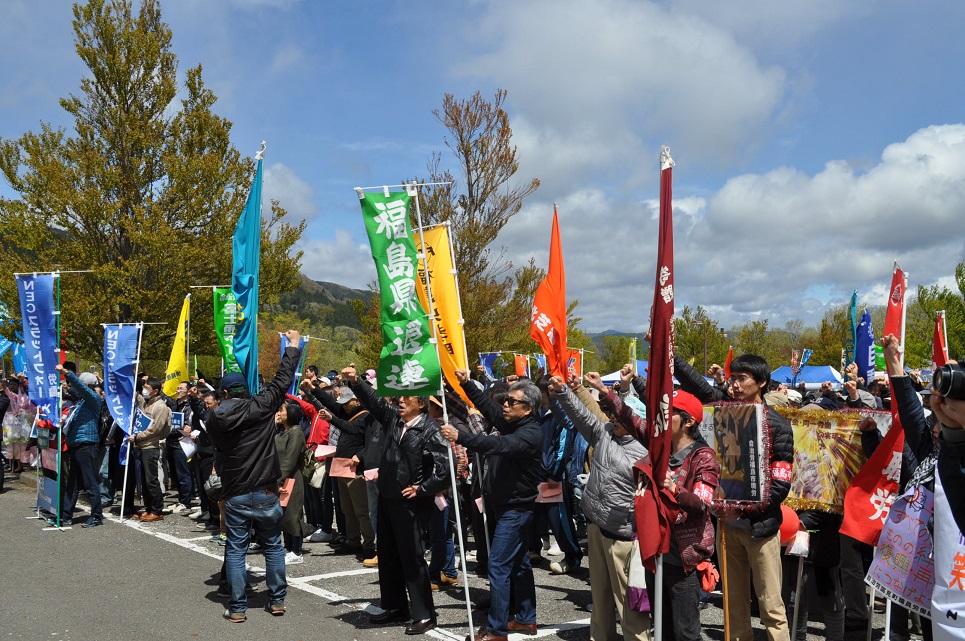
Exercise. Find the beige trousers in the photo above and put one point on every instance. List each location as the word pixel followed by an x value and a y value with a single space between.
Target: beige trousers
pixel 761 561
pixel 609 574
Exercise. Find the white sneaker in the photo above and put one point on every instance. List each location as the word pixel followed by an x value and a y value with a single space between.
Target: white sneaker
pixel 554 550
pixel 546 543
pixel 293 559
pixel 321 536
pixel 178 508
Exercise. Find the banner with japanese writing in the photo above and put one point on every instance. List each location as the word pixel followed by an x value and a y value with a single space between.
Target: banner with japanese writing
pixel 738 435
pixel 177 370
pixel 903 568
pixel 408 363
pixel 446 310
pixel 121 344
pixel 40 343
pixel 827 455
pixel 225 322
pixel 948 595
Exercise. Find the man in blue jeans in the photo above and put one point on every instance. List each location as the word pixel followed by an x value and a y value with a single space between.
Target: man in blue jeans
pixel 512 476
pixel 242 428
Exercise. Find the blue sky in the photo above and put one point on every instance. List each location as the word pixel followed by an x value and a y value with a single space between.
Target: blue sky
pixel 816 141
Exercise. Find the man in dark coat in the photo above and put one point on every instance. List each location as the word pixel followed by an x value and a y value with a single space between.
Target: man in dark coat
pixel 242 428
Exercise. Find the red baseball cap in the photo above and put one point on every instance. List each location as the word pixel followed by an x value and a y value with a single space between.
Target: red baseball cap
pixel 687 402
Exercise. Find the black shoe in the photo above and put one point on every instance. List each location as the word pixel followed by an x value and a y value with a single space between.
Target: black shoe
pixel 420 627
pixel 389 616
pixel 347 549
pixel 92 522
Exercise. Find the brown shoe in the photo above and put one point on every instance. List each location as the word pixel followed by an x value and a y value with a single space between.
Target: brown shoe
pixel 148 517
pixel 485 634
pixel 445 580
pixel 522 628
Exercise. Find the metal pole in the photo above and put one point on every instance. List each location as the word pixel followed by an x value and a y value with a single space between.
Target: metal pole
pixel 127 463
pixel 60 402
pixel 797 598
pixel 658 600
pixel 723 579
pixel 414 191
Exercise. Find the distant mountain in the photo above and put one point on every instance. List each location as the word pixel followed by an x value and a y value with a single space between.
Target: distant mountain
pixel 324 302
pixel 612 332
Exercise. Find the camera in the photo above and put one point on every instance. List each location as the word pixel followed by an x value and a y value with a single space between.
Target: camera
pixel 949 380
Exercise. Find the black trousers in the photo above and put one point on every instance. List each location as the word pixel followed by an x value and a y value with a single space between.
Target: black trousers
pixel 402 563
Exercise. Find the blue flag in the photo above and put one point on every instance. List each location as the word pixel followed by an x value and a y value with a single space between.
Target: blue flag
pixel 5 345
pixel 488 360
pixel 246 261
pixel 19 356
pixel 540 361
pixel 864 348
pixel 140 423
pixel 120 361
pixel 283 341
pixel 40 345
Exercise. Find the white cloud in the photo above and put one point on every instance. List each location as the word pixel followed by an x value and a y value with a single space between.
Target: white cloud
pixel 602 84
pixel 294 194
pixel 780 245
pixel 343 260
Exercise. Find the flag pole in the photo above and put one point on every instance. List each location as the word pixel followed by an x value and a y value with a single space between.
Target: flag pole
pixel 127 461
pixel 60 403
pixel 413 191
pixel 904 316
pixel 187 340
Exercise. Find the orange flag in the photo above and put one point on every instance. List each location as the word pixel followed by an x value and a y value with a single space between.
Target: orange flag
pixel 521 361
pixel 730 359
pixel 548 322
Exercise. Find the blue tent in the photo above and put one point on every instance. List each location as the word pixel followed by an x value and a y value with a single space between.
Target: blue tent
pixel 811 375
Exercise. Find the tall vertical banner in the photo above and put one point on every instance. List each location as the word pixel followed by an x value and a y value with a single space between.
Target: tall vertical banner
pixel 446 313
pixel 540 363
pixel 875 487
pixel 40 343
pixel 408 363
pixel 575 363
pixel 121 344
pixel 864 348
pixel 655 506
pixel 302 344
pixel 548 323
pixel 939 344
pixel 853 317
pixel 177 370
pixel 896 305
pixel 246 261
pixel 488 361
pixel 226 318
pixel 730 359
pixel 19 357
pixel 521 364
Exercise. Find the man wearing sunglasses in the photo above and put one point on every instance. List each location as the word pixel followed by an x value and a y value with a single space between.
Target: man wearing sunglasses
pixel 513 472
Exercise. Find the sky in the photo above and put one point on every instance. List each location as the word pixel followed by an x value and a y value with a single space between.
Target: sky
pixel 816 141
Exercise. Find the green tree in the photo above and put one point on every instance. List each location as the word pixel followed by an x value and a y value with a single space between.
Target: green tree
pixel 144 191
pixel 920 324
pixel 694 329
pixel 496 298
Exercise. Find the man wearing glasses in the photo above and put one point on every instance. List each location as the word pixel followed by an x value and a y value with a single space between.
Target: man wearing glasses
pixel 513 473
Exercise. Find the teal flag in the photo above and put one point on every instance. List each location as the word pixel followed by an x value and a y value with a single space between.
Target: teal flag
pixel 408 363
pixel 246 260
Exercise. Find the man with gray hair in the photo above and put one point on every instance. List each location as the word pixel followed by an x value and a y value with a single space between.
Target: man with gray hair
pixel 510 490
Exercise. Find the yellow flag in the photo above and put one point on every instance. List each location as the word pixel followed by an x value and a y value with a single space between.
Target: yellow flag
pixel 445 298
pixel 178 363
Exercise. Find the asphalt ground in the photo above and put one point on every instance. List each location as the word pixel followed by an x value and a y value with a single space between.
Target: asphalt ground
pixel 128 580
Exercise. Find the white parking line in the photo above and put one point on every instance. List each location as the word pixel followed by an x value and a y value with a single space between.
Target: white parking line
pixel 333 575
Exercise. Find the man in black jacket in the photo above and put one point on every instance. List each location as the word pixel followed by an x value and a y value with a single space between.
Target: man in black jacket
pixel 242 428
pixel 753 541
pixel 513 473
pixel 413 468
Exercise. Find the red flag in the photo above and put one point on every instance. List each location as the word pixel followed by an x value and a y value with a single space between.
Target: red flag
pixel 656 500
pixel 896 305
pixel 521 361
pixel 548 323
pixel 575 364
pixel 730 359
pixel 875 487
pixel 939 348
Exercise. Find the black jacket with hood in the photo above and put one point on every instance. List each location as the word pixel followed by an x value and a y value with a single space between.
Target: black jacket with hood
pixel 243 430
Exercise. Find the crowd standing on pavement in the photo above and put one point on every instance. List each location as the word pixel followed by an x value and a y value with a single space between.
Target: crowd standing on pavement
pixel 545 464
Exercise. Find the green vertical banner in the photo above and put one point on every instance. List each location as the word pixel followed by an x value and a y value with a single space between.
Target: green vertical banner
pixel 408 364
pixel 225 322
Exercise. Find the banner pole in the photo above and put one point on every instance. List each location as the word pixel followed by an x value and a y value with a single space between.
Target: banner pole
pixel 414 192
pixel 60 402
pixel 723 579
pixel 187 341
pixel 797 598
pixel 127 462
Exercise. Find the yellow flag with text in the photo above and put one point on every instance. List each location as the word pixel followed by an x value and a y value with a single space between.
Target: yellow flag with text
pixel 446 311
pixel 178 363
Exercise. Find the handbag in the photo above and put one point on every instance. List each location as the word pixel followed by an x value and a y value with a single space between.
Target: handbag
pixel 213 486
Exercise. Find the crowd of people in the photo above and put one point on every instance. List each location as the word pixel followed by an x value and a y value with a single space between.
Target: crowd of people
pixel 537 463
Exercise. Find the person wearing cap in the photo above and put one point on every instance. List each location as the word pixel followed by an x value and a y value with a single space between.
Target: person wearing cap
pixel 242 428
pixel 608 505
pixel 148 445
pixel 753 543
pixel 83 437
pixel 352 420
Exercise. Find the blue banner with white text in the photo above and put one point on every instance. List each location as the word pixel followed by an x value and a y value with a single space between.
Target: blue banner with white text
pixel 40 343
pixel 120 361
